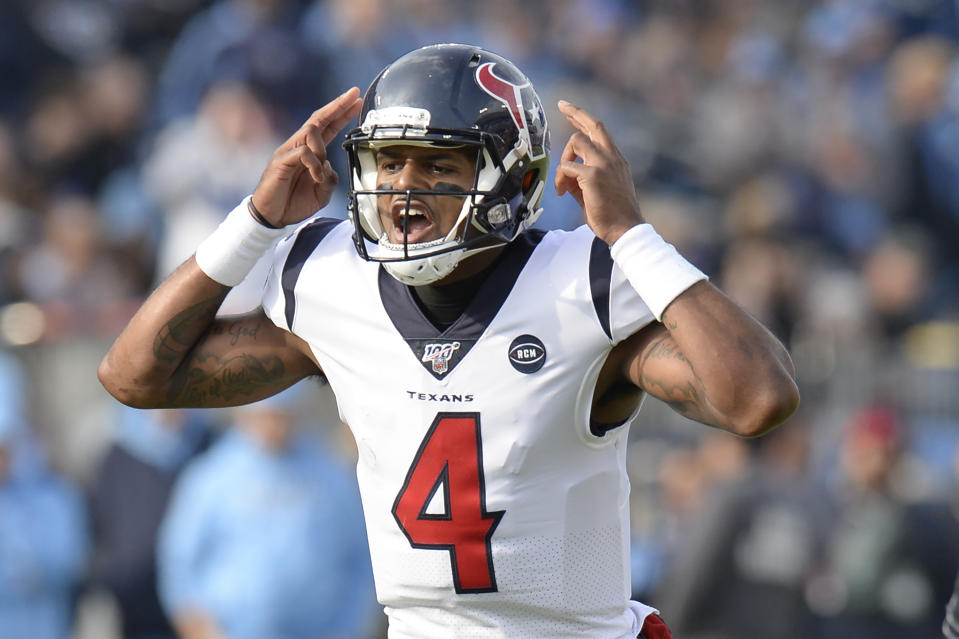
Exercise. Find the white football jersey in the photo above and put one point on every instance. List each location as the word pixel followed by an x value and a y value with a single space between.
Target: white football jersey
pixel 492 508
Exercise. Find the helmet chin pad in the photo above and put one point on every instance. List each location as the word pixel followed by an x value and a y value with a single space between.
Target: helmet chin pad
pixel 426 270
pixel 429 269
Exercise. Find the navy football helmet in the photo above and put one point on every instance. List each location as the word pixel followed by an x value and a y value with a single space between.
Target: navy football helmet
pixel 451 95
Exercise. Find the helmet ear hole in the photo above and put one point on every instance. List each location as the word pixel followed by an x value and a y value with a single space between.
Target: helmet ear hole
pixel 530 179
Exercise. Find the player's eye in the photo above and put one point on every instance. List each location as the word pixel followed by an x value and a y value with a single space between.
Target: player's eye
pixel 390 166
pixel 443 168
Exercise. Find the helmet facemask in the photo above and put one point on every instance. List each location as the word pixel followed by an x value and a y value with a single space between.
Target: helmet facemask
pixel 485 221
pixel 509 176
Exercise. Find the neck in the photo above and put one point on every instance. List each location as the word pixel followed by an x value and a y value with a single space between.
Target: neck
pixel 444 301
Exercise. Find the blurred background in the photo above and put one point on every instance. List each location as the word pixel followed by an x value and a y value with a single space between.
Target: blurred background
pixel 804 153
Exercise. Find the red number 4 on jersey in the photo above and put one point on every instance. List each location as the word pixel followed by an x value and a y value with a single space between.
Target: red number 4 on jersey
pixel 450 459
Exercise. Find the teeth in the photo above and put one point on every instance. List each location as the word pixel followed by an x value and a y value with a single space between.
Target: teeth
pixel 414 210
pixel 412 213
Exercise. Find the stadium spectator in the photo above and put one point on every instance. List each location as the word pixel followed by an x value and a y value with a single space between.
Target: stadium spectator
pixel 43 527
pixel 264 535
pixel 251 42
pixel 128 497
pixel 741 572
pixel 200 162
pixel 890 560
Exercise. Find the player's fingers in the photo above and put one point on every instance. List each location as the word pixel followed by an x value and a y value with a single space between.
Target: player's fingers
pixel 564 181
pixel 293 161
pixel 579 146
pixel 567 180
pixel 315 165
pixel 575 170
pixel 583 121
pixel 329 174
pixel 334 111
pixel 342 119
pixel 337 105
pixel 579 117
pixel 564 184
pixel 315 142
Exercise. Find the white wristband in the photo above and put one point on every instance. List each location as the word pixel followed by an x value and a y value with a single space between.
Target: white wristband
pixel 230 252
pixel 653 267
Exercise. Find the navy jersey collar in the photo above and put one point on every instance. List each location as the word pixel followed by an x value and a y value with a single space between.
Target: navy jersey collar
pixel 425 338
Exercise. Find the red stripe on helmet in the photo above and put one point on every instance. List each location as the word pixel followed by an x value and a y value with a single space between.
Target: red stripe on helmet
pixel 506 92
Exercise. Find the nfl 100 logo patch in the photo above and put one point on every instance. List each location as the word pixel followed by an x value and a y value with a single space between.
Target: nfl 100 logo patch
pixel 438 355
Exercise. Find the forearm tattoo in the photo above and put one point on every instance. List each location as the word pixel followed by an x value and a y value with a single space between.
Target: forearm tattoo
pixel 688 398
pixel 177 336
pixel 205 378
pixel 206 372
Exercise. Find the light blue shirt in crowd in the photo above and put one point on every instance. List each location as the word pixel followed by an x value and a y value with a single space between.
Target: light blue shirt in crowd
pixel 273 546
pixel 43 550
pixel 44 535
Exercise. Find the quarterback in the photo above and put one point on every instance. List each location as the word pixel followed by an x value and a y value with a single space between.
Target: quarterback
pixel 488 371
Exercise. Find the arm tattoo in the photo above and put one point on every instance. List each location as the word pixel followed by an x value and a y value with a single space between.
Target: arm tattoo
pixel 666 349
pixel 688 398
pixel 668 321
pixel 236 330
pixel 205 377
pixel 178 335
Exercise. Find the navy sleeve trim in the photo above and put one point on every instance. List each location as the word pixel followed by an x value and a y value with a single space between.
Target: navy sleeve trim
pixel 600 429
pixel 600 276
pixel 303 246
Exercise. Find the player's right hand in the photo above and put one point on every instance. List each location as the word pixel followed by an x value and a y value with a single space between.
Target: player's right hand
pixel 594 171
pixel 299 180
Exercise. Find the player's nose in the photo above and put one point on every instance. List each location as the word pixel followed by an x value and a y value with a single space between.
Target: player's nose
pixel 411 176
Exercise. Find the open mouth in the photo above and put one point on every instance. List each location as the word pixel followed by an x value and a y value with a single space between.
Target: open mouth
pixel 414 222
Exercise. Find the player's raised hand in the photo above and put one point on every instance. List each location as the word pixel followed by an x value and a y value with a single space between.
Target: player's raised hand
pixel 299 180
pixel 596 174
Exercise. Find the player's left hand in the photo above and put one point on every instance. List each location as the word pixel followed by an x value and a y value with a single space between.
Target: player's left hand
pixel 594 171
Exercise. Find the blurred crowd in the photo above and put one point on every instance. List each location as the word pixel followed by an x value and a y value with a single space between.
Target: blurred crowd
pixel 803 153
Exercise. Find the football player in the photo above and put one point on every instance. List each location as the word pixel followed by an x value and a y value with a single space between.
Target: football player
pixel 488 371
